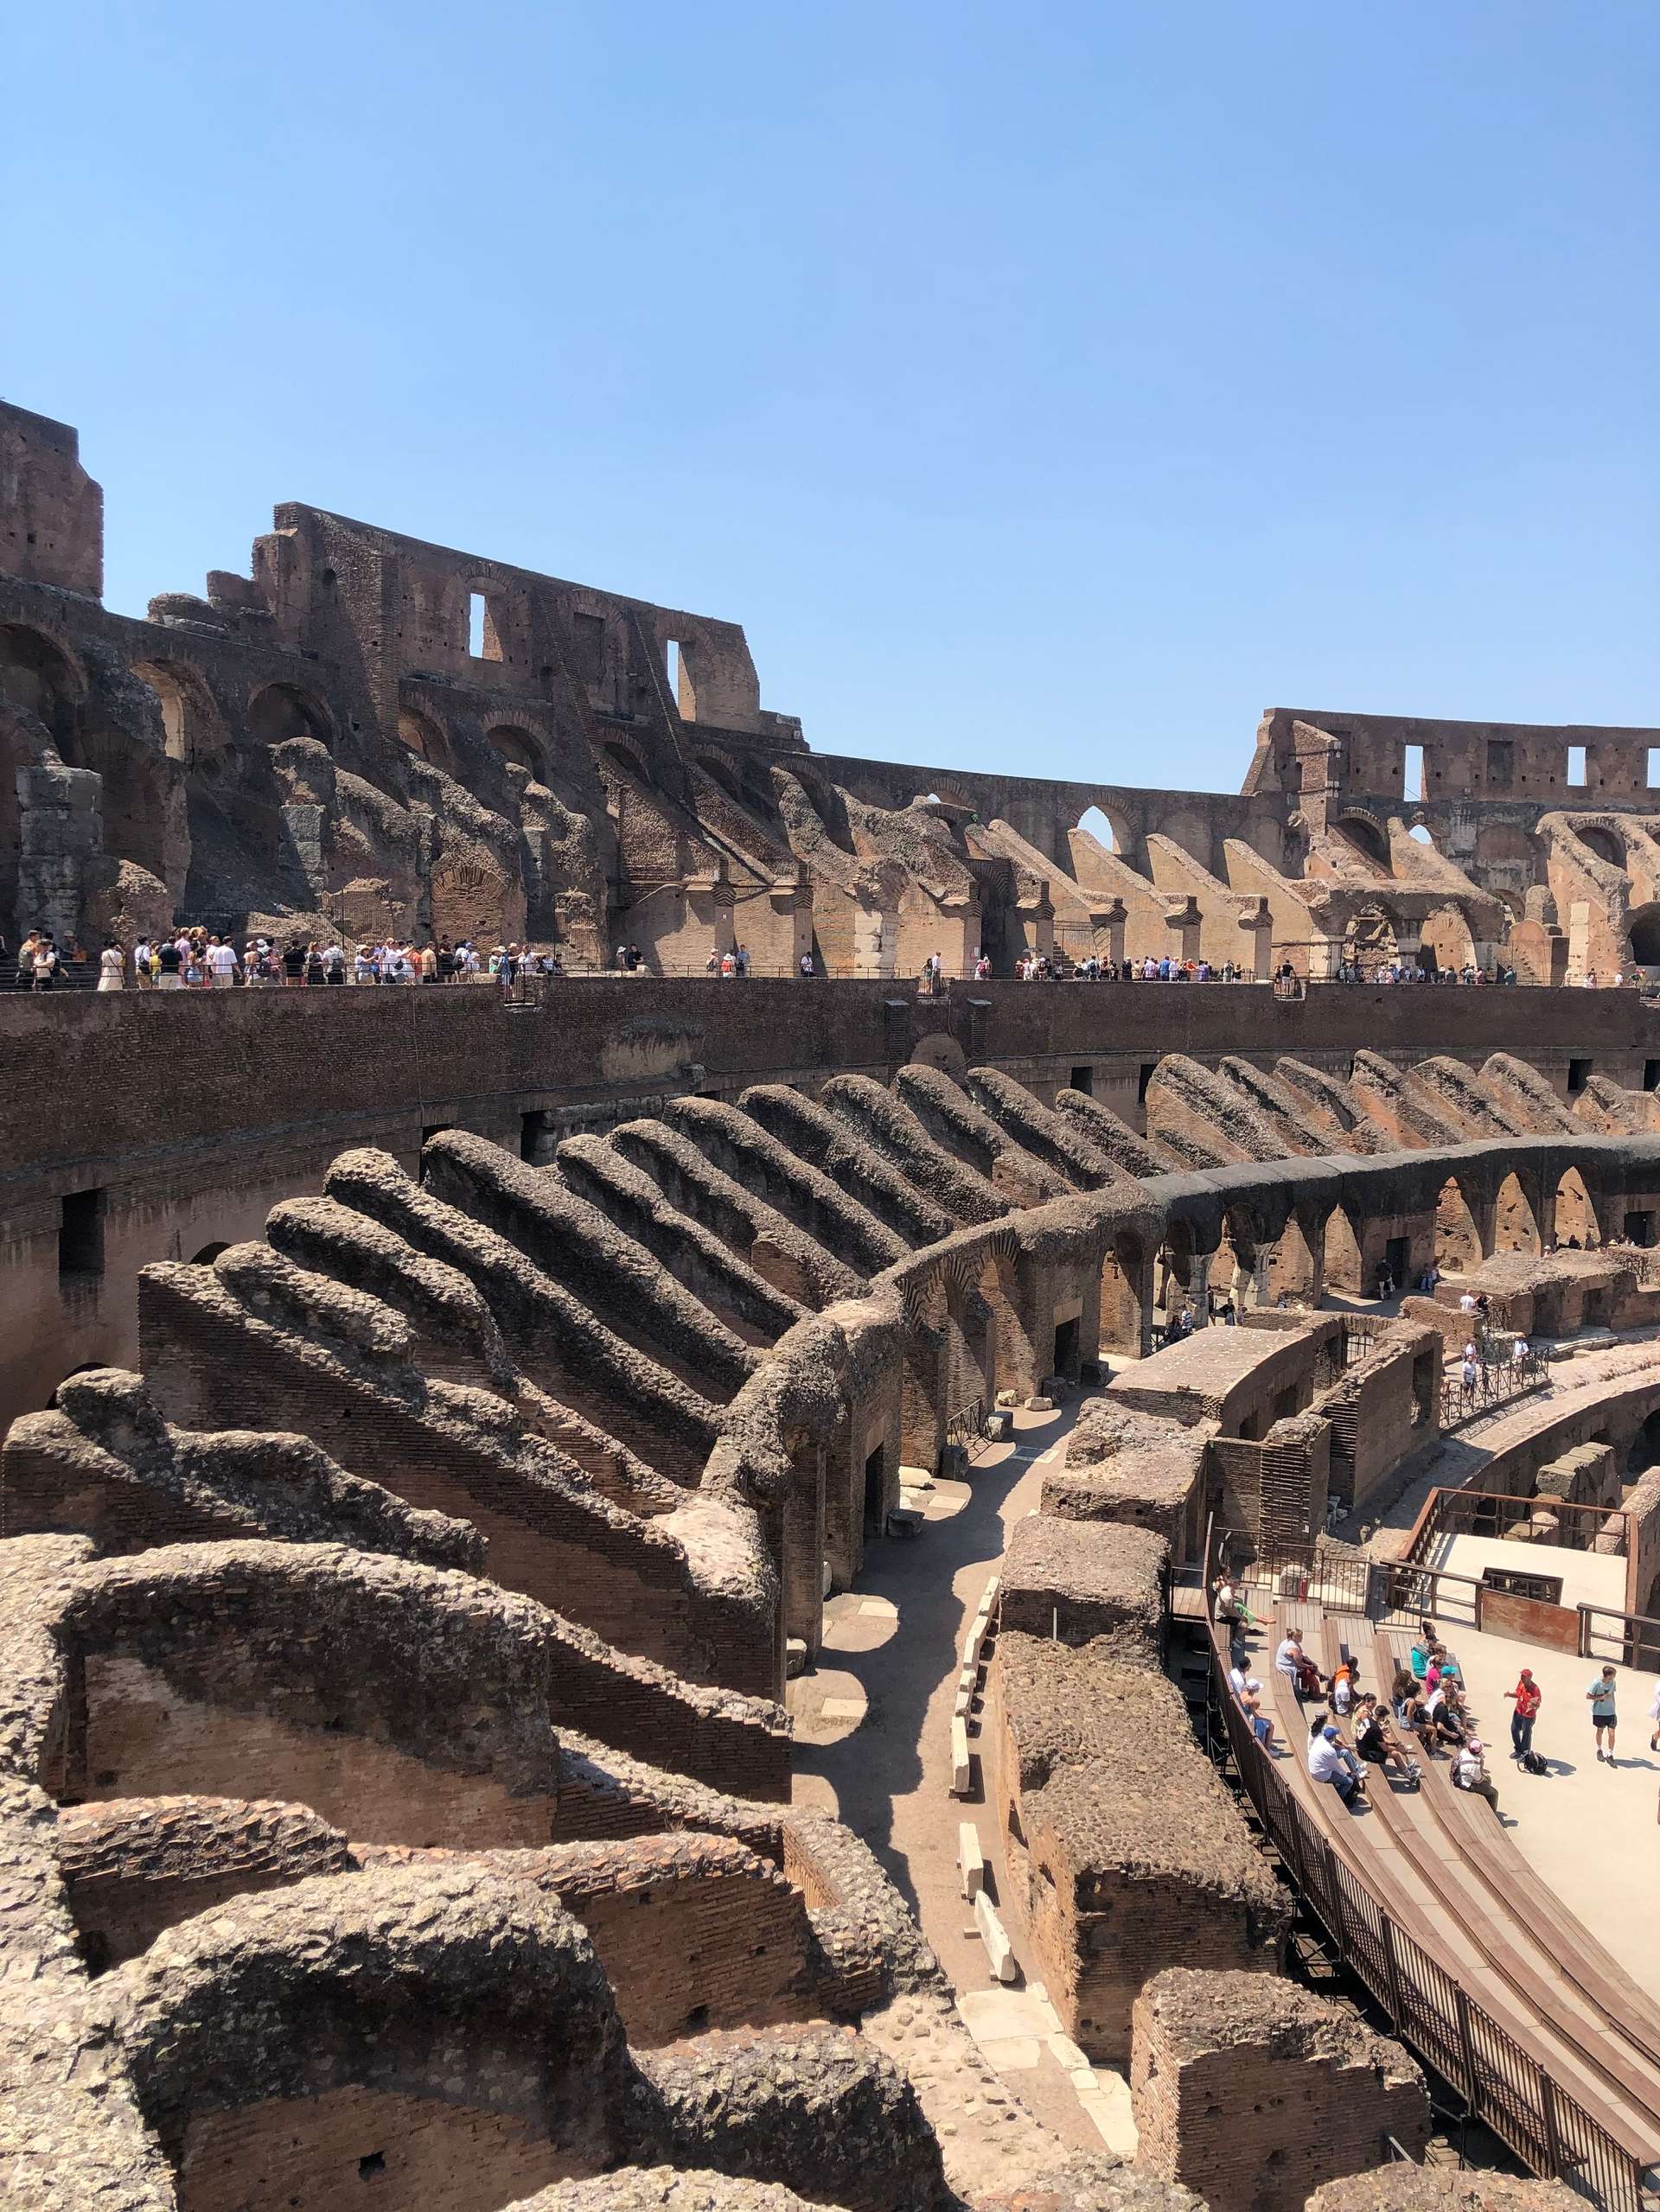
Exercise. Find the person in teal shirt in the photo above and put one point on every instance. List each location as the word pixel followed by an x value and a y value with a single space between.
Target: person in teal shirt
pixel 1601 1695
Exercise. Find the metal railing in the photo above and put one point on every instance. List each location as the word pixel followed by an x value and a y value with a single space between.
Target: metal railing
pixel 1386 1592
pixel 1450 1512
pixel 1496 1383
pixel 1633 1640
pixel 1501 2085
pixel 966 1428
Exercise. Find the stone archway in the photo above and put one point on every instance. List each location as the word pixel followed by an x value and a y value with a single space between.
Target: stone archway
pixel 1343 1268
pixel 283 710
pixel 1572 1213
pixel 1457 1241
pixel 522 748
pixel 1515 1228
pixel 1126 1297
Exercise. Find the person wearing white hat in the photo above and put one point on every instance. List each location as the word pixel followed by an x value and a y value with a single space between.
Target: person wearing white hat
pixel 1470 1772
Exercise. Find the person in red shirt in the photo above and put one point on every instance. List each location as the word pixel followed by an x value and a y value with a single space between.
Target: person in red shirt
pixel 1528 1697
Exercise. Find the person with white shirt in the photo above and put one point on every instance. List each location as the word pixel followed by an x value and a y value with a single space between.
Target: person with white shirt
pixel 222 963
pixel 1470 1772
pixel 1328 1761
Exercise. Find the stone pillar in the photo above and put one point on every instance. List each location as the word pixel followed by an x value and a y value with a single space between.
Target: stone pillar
pixel 1106 925
pixel 60 833
pixel 1184 921
pixel 1201 1289
pixel 1258 922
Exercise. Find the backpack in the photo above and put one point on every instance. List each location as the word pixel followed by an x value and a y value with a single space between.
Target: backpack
pixel 1532 1764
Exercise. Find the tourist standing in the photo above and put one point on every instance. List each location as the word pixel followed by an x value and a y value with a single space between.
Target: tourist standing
pixel 222 963
pixel 1601 1697
pixel 169 965
pixel 1528 1697
pixel 111 966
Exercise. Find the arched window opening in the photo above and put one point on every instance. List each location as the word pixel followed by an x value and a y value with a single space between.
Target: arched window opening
pixel 35 676
pixel 190 726
pixel 1574 1218
pixel 1098 826
pixel 1342 1266
pixel 282 712
pixel 620 757
pixel 1366 837
pixel 1515 1228
pixel 1419 835
pixel 520 747
pixel 209 1253
pixel 1458 1241
pixel 487 626
pixel 1646 936
pixel 1604 843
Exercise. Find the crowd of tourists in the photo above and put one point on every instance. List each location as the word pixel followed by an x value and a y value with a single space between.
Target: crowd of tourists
pixel 1424 1716
pixel 206 961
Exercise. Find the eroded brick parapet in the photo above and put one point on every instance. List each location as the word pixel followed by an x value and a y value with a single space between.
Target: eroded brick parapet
pixel 890 1125
pixel 1254 2092
pixel 1127 1855
pixel 1085 1582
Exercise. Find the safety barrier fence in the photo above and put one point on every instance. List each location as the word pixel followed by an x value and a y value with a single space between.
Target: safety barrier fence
pixel 1494 1383
pixel 1501 2084
pixel 1451 1512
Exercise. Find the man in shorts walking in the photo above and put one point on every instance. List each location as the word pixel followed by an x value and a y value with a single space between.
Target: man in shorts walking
pixel 1601 1697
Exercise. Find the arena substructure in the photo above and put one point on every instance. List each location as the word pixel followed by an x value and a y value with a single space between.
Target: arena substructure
pixel 397 1794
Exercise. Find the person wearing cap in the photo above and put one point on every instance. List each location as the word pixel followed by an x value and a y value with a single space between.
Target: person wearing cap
pixel 1528 1697
pixel 1470 1772
pixel 1603 1715
pixel 1328 1761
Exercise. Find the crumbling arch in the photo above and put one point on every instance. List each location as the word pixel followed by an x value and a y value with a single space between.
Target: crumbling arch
pixel 1572 1213
pixel 520 746
pixel 1108 827
pixel 281 712
pixel 1374 934
pixel 625 758
pixel 1447 939
pixel 1342 1265
pixel 1457 1241
pixel 721 773
pixel 1606 844
pixel 1515 1228
pixel 192 726
pixel 1293 1267
pixel 1366 837
pixel 1126 1296
pixel 38 676
pixel 427 737
pixel 1644 927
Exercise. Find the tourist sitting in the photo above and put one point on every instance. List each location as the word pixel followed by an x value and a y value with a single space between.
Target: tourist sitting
pixel 1328 1761
pixel 1440 1720
pixel 1308 1679
pixel 1289 1660
pixel 1250 1697
pixel 1377 1744
pixel 1419 1658
pixel 1470 1772
pixel 1342 1688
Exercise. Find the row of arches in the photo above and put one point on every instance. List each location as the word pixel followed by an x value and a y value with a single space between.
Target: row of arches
pixel 1143 1284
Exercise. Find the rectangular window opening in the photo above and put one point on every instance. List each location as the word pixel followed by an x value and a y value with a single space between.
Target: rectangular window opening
pixel 1083 1079
pixel 1500 764
pixel 475 620
pixel 1651 1075
pixel 672 662
pixel 1576 764
pixel 1579 1075
pixel 1651 773
pixel 1412 783
pixel 530 1136
pixel 1147 1066
pixel 80 1237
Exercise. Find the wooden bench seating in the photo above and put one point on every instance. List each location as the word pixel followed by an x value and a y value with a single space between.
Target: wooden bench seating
pixel 1409 1852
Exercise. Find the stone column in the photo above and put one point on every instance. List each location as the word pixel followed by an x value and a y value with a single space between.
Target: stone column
pixel 61 831
pixel 1259 922
pixel 1106 925
pixel 1184 921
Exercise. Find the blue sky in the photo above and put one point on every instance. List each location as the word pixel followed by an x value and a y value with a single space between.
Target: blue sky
pixel 1051 386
